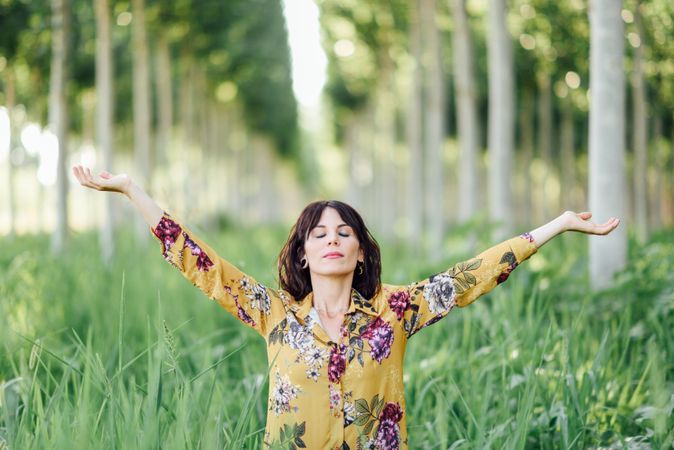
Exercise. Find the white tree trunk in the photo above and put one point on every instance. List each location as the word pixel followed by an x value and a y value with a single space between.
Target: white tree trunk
pixel 639 136
pixel 10 97
pixel 164 100
pixel 58 115
pixel 141 108
pixel 434 194
pixel 527 151
pixel 501 118
pixel 607 142
pixel 547 203
pixel 413 123
pixel 660 160
pixel 568 158
pixel 104 120
pixel 466 112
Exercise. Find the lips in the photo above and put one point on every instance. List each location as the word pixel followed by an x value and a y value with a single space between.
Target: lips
pixel 333 255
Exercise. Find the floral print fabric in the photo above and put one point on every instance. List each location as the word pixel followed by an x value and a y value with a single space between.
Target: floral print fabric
pixel 346 394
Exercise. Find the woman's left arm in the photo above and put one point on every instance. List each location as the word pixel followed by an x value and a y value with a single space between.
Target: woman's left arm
pixel 571 221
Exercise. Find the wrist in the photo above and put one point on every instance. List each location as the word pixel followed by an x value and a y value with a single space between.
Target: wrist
pixel 131 190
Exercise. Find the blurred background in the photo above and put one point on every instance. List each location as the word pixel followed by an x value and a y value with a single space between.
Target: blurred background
pixel 448 124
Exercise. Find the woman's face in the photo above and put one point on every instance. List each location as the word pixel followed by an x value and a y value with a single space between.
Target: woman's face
pixel 332 248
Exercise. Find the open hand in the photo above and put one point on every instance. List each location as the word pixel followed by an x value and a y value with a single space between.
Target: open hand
pixel 105 181
pixel 579 222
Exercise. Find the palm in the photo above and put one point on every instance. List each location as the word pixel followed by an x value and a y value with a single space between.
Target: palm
pixel 105 181
pixel 580 222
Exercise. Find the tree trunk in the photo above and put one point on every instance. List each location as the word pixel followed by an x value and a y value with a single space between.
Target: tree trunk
pixel 58 114
pixel 466 112
pixel 164 100
pixel 141 108
pixel 607 182
pixel 10 97
pixel 385 160
pixel 434 131
pixel 527 147
pixel 104 120
pixel 415 187
pixel 547 202
pixel 501 118
pixel 658 195
pixel 639 136
pixel 568 158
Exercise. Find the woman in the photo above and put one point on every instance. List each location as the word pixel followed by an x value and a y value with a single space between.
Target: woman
pixel 335 335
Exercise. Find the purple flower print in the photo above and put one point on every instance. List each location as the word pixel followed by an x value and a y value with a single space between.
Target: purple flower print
pixel 388 431
pixel 203 261
pixel 337 364
pixel 506 273
pixel 379 335
pixel 399 303
pixel 527 236
pixel 167 231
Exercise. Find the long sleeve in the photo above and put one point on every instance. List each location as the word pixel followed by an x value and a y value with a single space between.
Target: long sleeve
pixel 430 300
pixel 247 300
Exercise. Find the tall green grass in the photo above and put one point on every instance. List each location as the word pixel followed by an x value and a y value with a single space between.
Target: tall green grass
pixel 133 356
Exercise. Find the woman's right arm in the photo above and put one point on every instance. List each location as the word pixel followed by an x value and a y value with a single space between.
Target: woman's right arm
pixel 247 300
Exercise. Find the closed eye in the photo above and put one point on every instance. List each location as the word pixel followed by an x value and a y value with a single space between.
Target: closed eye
pixel 341 234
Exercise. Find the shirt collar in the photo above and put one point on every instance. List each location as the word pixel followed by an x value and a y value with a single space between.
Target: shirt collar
pixel 358 303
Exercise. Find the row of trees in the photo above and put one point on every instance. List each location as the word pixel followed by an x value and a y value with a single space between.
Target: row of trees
pixel 539 84
pixel 157 83
pixel 445 111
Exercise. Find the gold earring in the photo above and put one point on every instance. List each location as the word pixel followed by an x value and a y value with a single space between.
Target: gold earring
pixel 361 267
pixel 303 261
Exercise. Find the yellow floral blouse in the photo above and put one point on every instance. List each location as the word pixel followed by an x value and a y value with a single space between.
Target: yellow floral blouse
pixel 346 394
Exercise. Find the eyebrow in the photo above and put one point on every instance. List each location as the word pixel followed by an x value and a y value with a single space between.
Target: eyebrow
pixel 338 226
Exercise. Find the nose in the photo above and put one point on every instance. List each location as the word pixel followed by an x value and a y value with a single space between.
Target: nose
pixel 334 240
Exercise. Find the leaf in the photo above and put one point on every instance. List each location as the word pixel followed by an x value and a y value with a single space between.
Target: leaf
pixel 373 402
pixel 379 407
pixel 362 419
pixel 474 264
pixel 300 443
pixel 508 257
pixel 301 428
pixel 362 407
pixel 368 427
pixel 459 289
pixel 470 278
pixel 462 283
pixel 360 359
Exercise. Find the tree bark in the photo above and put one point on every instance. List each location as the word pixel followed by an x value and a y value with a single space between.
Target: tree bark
pixel 164 100
pixel 10 97
pixel 58 115
pixel 527 151
pixel 466 112
pixel 544 143
pixel 104 120
pixel 434 131
pixel 639 135
pixel 568 158
pixel 413 123
pixel 607 184
pixel 501 118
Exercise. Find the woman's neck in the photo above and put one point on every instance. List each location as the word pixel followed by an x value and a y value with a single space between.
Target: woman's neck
pixel 331 294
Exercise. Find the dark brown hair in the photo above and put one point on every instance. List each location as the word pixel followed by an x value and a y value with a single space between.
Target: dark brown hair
pixel 297 281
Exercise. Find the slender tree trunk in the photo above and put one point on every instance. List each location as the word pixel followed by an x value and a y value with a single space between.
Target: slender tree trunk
pixel 527 143
pixel 104 120
pixel 413 125
pixel 568 158
pixel 434 131
pixel 58 114
pixel 547 203
pixel 385 136
pixel 639 135
pixel 141 107
pixel 10 97
pixel 607 182
pixel 466 112
pixel 658 194
pixel 501 118
pixel 164 100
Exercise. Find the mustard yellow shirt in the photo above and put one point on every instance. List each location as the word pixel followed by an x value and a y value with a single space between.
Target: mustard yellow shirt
pixel 346 394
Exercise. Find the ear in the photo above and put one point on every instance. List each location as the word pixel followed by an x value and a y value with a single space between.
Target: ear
pixel 361 255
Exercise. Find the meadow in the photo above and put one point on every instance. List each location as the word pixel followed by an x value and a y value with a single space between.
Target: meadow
pixel 134 357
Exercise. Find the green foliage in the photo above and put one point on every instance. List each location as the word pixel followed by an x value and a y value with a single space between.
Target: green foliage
pixel 135 357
